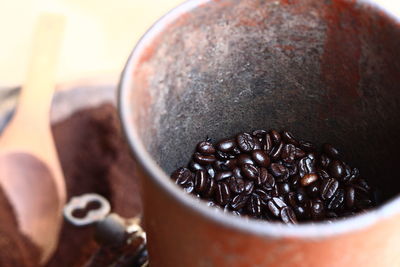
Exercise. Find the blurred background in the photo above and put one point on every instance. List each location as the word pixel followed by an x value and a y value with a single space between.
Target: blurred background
pixel 98 38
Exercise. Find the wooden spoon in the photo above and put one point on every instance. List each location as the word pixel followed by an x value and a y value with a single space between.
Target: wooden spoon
pixel 30 173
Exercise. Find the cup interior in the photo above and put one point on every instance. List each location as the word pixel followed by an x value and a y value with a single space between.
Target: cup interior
pixel 328 71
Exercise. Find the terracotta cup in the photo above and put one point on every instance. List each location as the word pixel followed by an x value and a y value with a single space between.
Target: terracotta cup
pixel 325 69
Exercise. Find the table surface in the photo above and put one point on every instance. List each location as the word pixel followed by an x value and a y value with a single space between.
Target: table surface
pixel 99 35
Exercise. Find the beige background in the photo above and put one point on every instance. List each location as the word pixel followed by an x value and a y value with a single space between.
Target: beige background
pixel 99 36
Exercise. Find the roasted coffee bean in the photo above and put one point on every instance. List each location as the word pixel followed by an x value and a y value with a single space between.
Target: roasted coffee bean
pixel 323 174
pixel 291 199
pixel 324 161
pixel 328 188
pixel 203 159
pixel 275 205
pixel 200 181
pixel 254 205
pixel 236 185
pixel 350 195
pixel 288 215
pixel 226 145
pixel 336 169
pixel 220 165
pixel 279 171
pixel 250 171
pixel 272 176
pixel 264 195
pixel 244 159
pixel 239 201
pixel 223 175
pixel 223 155
pixel 181 176
pixel 276 151
pixel 269 183
pixel 306 146
pixel 317 209
pixel 294 181
pixel 259 133
pixel 275 137
pixel 288 138
pixel 301 195
pixel 205 148
pixel 222 195
pixel 337 200
pixel 262 177
pixel 211 188
pixel 194 166
pixel 248 187
pixel 245 142
pixel 260 158
pixel 283 188
pixel 268 144
pixel 288 153
pixel 237 173
pixel 330 151
pixel 313 190
pixel 308 179
pixel 231 164
pixel 300 212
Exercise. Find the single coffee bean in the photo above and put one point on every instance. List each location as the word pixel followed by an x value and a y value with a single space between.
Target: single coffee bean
pixel 226 145
pixel 245 142
pixel 268 144
pixel 317 209
pixel 203 159
pixel 211 188
pixel 350 196
pixel 313 190
pixel 288 153
pixel 260 158
pixel 323 174
pixel 292 168
pixel 223 155
pixel 328 188
pixel 257 144
pixel 283 188
pixel 181 176
pixel 306 165
pixel 200 181
pixel 337 200
pixel 301 195
pixel 336 169
pixel 250 171
pixel 306 146
pixel 300 212
pixel 288 215
pixel 222 195
pixel 288 138
pixel 236 185
pixel 254 205
pixel 223 175
pixel 239 201
pixel 324 161
pixel 331 151
pixel 205 148
pixel 248 187
pixel 279 171
pixel 308 179
pixel 262 177
pixel 194 166
pixel 269 183
pixel 276 151
pixel 275 136
pixel 244 159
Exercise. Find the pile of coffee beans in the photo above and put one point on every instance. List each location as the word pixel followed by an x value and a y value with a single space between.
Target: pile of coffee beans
pixel 273 176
